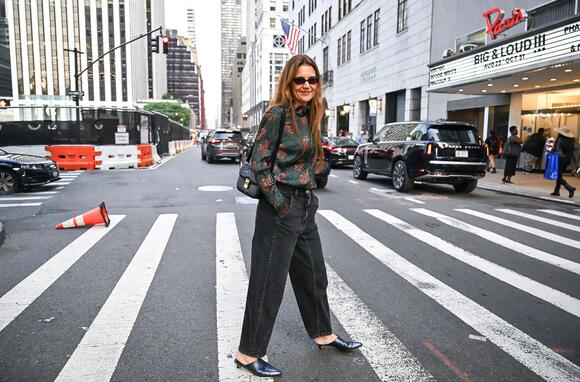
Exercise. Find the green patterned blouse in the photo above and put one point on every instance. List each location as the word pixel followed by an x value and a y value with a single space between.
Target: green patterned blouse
pixel 294 163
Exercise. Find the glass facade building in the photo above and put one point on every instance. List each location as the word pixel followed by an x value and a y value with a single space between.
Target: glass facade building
pixel 231 34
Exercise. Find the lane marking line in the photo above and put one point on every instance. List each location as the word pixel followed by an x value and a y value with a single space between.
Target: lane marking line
pixel 20 205
pixel 555 297
pixel 477 338
pixel 504 242
pixel 25 198
pixel 353 181
pixel 540 219
pixel 231 291
pixel 414 200
pixel 333 176
pixel 22 295
pixel 98 353
pixel 524 228
pixel 531 353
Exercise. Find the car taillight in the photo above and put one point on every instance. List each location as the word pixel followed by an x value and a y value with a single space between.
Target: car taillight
pixel 429 149
pixel 214 141
pixel 326 146
pixel 335 150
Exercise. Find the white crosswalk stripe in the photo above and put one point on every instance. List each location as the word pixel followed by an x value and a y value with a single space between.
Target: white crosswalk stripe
pixel 557 298
pixel 540 219
pixel 96 357
pixel 562 214
pixel 522 227
pixel 531 353
pixel 22 295
pixel 503 241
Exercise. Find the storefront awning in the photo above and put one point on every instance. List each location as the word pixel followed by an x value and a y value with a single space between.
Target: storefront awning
pixel 544 58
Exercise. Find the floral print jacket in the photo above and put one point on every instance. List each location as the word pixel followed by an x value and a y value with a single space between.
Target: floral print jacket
pixel 294 165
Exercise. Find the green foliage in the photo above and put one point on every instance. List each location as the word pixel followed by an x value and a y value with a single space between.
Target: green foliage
pixel 172 111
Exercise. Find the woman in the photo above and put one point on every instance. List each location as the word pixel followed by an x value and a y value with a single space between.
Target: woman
pixel 286 237
pixel 494 144
pixel 564 146
pixel 511 152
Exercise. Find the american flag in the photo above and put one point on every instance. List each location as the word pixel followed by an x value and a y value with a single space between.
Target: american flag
pixel 291 35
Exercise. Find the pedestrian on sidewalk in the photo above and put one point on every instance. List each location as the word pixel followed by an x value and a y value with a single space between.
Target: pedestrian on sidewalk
pixel 494 145
pixel 286 239
pixel 511 151
pixel 532 150
pixel 564 146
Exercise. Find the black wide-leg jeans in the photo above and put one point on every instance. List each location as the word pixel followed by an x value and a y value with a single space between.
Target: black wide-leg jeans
pixel 282 246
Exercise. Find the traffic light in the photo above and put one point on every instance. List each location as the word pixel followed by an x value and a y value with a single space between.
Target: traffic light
pixel 165 40
pixel 155 44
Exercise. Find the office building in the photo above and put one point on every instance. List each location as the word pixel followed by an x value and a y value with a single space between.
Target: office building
pixel 231 34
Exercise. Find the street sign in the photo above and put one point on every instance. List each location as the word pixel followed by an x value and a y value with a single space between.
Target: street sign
pixel 121 138
pixel 77 93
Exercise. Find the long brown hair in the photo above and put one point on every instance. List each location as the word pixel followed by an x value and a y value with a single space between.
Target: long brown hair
pixel 285 97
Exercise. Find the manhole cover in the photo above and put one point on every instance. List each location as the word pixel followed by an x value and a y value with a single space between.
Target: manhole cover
pixel 215 188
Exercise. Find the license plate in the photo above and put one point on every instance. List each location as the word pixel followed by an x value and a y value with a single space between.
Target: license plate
pixel 461 153
pixel 350 157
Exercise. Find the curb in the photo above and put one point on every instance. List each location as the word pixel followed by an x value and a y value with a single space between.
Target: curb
pixel 2 234
pixel 542 198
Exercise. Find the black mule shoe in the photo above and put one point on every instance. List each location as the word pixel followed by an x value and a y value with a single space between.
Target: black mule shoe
pixel 555 193
pixel 342 345
pixel 571 192
pixel 260 368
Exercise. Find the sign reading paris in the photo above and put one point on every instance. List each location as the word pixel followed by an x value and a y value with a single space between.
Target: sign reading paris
pixel 496 24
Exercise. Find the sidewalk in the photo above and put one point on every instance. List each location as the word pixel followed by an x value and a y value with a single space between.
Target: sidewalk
pixel 532 186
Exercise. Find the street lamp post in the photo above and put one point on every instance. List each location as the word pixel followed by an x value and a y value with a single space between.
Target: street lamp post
pixel 77 94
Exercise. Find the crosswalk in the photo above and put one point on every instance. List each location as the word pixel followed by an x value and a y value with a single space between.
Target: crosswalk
pixel 390 358
pixel 38 195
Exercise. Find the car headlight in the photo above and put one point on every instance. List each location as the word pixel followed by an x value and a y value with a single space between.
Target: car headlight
pixel 31 166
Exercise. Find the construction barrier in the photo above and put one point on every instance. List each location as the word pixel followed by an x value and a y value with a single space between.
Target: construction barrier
pixel 145 155
pixel 71 158
pixel 156 157
pixel 117 157
pixel 38 150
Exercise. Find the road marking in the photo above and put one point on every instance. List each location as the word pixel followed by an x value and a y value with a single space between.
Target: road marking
pixel 477 338
pixel 231 290
pixel 540 219
pixel 22 295
pixel 531 353
pixel 333 176
pixel 96 356
pixel 504 242
pixel 246 200
pixel 383 190
pixel 20 205
pixel 387 355
pixel 25 198
pixel 447 362
pixel 523 283
pixel 562 214
pixel 414 200
pixel 61 183
pixel 353 181
pixel 524 228
pixel 557 200
pixel 43 193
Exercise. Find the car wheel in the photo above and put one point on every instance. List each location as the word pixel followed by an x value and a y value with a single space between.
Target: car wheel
pixel 357 169
pixel 401 180
pixel 466 187
pixel 209 159
pixel 321 181
pixel 8 182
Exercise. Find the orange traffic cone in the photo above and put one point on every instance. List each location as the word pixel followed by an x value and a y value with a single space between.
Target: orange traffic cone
pixel 97 215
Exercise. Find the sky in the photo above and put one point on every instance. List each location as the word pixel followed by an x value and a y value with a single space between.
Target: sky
pixel 207 31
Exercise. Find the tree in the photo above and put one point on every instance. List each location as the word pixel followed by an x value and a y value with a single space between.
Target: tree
pixel 172 111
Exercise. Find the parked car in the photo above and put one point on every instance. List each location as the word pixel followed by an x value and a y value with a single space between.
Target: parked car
pixel 19 171
pixel 339 150
pixel 432 152
pixel 222 144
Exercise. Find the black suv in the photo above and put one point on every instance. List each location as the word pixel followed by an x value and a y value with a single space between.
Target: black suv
pixel 20 171
pixel 222 144
pixel 432 152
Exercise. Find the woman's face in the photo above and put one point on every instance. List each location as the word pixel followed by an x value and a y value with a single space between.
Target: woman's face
pixel 303 89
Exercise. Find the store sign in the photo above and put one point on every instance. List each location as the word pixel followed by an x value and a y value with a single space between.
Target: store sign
pixel 558 43
pixel 497 25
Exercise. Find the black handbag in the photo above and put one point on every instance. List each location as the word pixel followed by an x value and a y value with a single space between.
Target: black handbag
pixel 247 183
pixel 511 149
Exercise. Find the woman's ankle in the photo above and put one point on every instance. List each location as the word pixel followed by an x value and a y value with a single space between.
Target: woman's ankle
pixel 324 340
pixel 244 358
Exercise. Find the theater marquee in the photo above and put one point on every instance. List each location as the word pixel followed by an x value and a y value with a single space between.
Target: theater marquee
pixel 557 43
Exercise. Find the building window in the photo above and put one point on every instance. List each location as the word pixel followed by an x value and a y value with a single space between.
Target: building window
pixel 338 52
pixel 272 5
pixel 401 15
pixel 343 49
pixel 325 60
pixel 362 36
pixel 272 22
pixel 369 32
pixel 285 7
pixel 344 8
pixel 348 46
pixel 376 30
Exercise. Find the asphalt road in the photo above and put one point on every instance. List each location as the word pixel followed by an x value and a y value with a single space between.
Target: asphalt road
pixel 434 287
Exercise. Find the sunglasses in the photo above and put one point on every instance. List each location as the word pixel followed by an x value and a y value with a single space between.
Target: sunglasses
pixel 302 80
